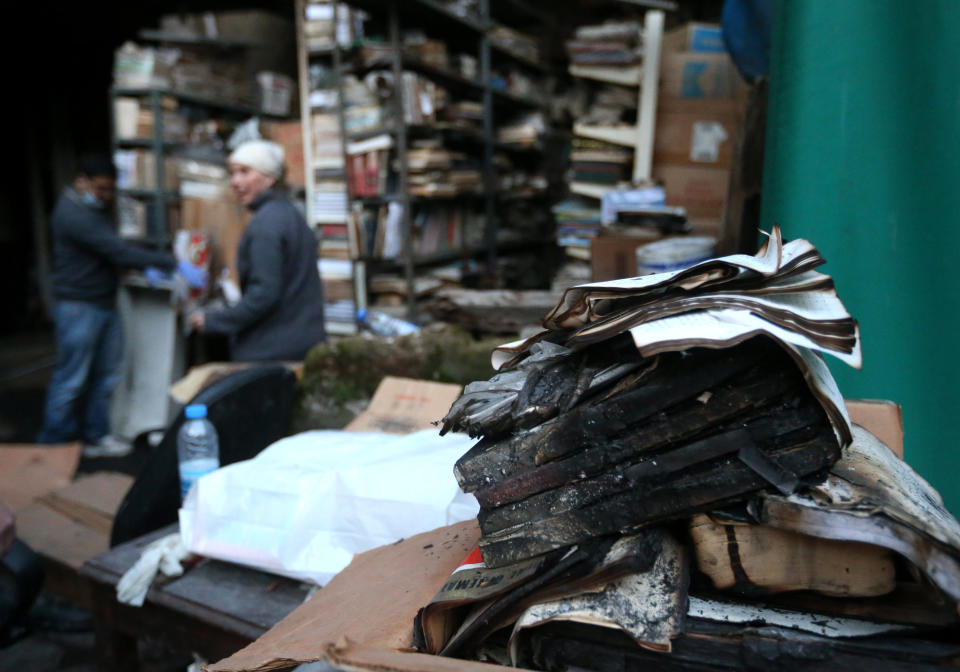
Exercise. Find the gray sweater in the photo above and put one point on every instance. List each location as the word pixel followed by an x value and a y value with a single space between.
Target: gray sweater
pixel 280 316
pixel 87 252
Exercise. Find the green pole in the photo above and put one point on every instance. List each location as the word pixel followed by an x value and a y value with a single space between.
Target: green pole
pixel 863 159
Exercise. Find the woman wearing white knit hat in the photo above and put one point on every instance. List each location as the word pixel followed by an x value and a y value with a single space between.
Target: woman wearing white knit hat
pixel 280 315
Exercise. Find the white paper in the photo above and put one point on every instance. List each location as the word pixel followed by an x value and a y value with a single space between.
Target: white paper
pixel 721 326
pixel 308 503
pixel 705 142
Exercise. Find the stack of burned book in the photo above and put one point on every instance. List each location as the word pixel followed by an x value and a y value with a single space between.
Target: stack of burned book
pixel 685 420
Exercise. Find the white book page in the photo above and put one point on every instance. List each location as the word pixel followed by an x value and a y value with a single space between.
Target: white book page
pixel 819 376
pixel 722 326
pixel 816 305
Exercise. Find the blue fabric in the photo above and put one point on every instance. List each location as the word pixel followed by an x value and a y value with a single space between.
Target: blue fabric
pixel 746 30
pixel 89 357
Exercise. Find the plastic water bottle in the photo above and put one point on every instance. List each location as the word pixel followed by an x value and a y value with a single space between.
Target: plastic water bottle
pixel 382 324
pixel 198 447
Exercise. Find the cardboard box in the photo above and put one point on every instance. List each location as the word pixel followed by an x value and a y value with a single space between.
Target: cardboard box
pixel 701 190
pixel 883 419
pixel 72 525
pixel 696 132
pixel 613 256
pixel 223 220
pixel 698 37
pixel 405 405
pixel 690 74
pixel 288 134
pixel 28 472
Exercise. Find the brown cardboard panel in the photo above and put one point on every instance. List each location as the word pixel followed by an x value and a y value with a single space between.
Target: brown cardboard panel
pixel 883 419
pixel 224 221
pixel 405 405
pixel 696 132
pixel 288 134
pixel 72 525
pixel 372 602
pixel 28 472
pixel 702 191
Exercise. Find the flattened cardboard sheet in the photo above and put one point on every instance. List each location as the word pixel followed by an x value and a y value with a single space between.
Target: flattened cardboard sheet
pixel 405 405
pixel 364 616
pixel 28 472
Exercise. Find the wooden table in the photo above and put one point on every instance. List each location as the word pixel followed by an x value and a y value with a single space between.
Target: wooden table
pixel 214 609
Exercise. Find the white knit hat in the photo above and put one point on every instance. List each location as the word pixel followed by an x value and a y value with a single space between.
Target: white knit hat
pixel 261 155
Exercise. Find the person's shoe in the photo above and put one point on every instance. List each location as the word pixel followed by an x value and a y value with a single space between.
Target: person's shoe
pixel 108 446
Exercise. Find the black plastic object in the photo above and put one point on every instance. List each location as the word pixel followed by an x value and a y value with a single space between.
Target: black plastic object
pixel 250 410
pixel 26 568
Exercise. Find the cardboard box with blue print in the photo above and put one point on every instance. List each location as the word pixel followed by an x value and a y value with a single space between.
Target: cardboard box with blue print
pixel 696 132
pixel 690 74
pixel 700 37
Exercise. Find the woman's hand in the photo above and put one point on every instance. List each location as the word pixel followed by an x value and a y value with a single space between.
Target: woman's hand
pixel 197 320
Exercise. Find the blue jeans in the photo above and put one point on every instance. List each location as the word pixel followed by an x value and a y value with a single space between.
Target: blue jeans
pixel 89 359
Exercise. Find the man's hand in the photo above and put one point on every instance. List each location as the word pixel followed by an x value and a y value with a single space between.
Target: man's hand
pixel 197 321
pixel 8 529
pixel 195 277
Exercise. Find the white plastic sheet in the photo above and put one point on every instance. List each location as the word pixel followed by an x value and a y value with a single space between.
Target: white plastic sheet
pixel 306 504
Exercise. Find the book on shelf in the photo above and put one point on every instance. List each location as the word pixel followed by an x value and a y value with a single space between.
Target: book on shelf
pixel 367 174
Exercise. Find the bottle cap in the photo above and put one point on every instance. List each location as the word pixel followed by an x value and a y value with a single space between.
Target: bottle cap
pixel 362 315
pixel 195 411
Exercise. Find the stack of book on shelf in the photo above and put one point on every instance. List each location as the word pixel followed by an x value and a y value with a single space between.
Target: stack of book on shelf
pixel 428 51
pixel 435 171
pixel 464 114
pixel 578 221
pixel 466 9
pixel 599 163
pixel 372 52
pixel 327 149
pixel 368 166
pixel 610 44
pixel 329 198
pixel 517 83
pixel 422 99
pixel 337 277
pixel 514 183
pixel 319 26
pixel 362 110
pixel 525 131
pixel 515 42
pixel 446 228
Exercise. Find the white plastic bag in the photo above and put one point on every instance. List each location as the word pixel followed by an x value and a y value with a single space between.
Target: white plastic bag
pixel 307 503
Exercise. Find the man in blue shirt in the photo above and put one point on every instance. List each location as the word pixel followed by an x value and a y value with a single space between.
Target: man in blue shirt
pixel 87 257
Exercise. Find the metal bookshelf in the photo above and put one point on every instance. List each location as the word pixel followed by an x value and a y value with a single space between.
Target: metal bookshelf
pixel 397 15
